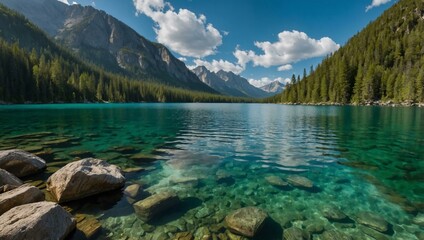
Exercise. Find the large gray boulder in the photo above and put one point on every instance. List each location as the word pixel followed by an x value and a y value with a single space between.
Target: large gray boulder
pixel 8 178
pixel 246 221
pixel 84 178
pixel 21 163
pixel 36 221
pixel 154 205
pixel 299 181
pixel 19 196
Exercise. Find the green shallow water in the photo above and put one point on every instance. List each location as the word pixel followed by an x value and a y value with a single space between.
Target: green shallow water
pixel 359 158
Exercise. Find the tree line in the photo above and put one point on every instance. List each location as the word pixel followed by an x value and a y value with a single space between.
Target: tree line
pixel 384 62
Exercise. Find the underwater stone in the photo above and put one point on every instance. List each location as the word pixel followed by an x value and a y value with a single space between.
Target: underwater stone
pixel 132 190
pixel 419 220
pixel 88 225
pixel 295 233
pixel 81 154
pixel 41 220
pixel 373 221
pixel 202 233
pixel 203 212
pixel 19 196
pixel 333 213
pixel 299 181
pixel 8 178
pixel 276 181
pixel 188 181
pixel 335 235
pixel 315 227
pixel 246 221
pixel 84 178
pixel 183 236
pixel 154 205
pixel 21 163
pixel 373 233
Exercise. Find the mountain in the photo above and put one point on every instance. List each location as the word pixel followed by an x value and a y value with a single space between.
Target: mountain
pixel 107 42
pixel 274 87
pixel 382 63
pixel 33 68
pixel 215 82
pixel 229 83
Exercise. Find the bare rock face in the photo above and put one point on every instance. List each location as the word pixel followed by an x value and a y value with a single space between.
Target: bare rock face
pixel 8 178
pixel 84 178
pixel 154 205
pixel 246 221
pixel 19 196
pixel 21 163
pixel 36 221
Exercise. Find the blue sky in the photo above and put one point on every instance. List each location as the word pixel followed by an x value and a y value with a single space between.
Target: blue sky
pixel 262 40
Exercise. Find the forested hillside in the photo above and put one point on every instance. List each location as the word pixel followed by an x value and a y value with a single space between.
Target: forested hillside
pixel 384 62
pixel 34 69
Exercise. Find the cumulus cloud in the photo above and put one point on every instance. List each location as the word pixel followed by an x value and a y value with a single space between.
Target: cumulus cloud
pixel 291 47
pixel 285 67
pixel 182 31
pixel 265 81
pixel 376 3
pixel 217 65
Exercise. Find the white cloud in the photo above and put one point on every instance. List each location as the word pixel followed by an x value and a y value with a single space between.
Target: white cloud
pixel 285 67
pixel 291 47
pixel 265 80
pixel 376 3
pixel 182 59
pixel 64 1
pixel 216 66
pixel 183 32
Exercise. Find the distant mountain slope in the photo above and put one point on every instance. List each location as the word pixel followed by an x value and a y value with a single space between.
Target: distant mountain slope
pixel 229 83
pixel 107 42
pixel 384 62
pixel 33 68
pixel 274 87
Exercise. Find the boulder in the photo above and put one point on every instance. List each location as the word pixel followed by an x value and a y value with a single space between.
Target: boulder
pixel 419 220
pixel 373 221
pixel 19 196
pixel 21 163
pixel 8 178
pixel 246 221
pixel 299 181
pixel 36 221
pixel 276 181
pixel 84 178
pixel 154 205
pixel 333 213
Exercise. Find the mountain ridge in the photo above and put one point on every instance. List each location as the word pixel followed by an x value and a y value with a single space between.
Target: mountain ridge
pixel 107 42
pixel 229 83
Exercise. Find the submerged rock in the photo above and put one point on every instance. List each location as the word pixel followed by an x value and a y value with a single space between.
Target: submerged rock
pixel 61 142
pixel 19 196
pixel 21 163
pixel 8 178
pixel 81 154
pixel 373 233
pixel 333 213
pixel 84 178
pixel 202 233
pixel 246 221
pixel 36 221
pixel 419 220
pixel 299 181
pixel 132 190
pixel 88 225
pixel 183 236
pixel 295 233
pixel 187 181
pixel 276 181
pixel 154 205
pixel 373 221
pixel 335 235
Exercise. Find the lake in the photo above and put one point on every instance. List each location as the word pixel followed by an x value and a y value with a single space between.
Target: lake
pixel 221 157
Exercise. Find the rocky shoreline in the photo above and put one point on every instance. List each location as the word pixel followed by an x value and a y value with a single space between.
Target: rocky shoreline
pixel 369 103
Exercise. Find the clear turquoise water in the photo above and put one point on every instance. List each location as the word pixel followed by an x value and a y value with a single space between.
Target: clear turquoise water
pixel 359 158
